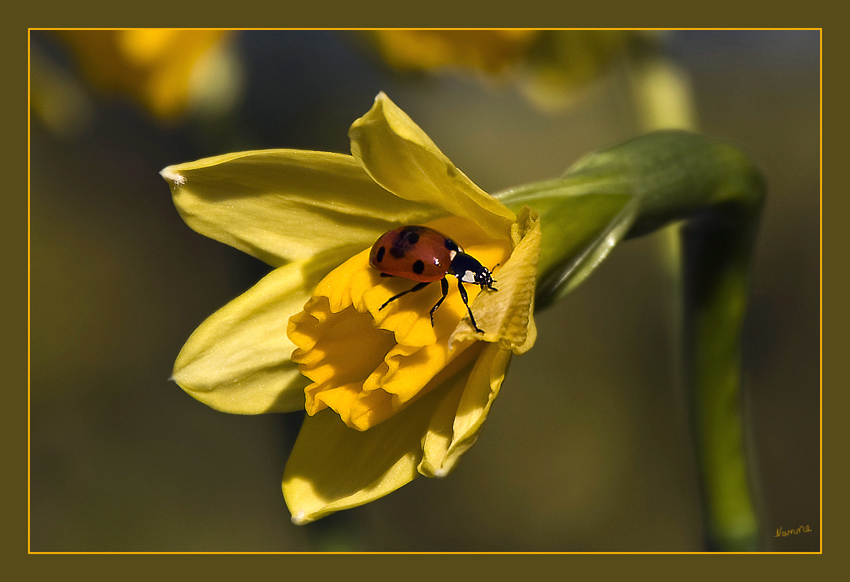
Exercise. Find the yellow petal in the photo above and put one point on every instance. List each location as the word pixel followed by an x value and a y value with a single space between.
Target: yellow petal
pixel 282 205
pixel 506 316
pixel 238 360
pixel 399 156
pixel 334 467
pixel 464 412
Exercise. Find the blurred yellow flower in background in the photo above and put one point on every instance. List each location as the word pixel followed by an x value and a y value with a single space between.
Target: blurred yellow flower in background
pixel 162 69
pixel 488 50
pixel 549 66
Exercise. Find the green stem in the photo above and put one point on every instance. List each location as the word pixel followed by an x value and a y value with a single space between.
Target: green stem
pixel 717 255
pixel 639 187
pixel 660 90
pixel 716 251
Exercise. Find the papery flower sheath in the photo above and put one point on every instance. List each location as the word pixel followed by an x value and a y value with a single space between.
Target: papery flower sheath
pixel 388 395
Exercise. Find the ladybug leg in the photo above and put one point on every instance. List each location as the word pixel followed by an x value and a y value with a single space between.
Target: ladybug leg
pixel 466 302
pixel 444 285
pixel 416 287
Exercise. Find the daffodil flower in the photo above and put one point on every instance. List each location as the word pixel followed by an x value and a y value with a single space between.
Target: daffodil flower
pixel 389 396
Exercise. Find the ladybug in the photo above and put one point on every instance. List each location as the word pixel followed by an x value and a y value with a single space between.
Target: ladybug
pixel 422 254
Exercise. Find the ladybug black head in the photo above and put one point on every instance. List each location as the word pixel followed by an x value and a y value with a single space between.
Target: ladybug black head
pixel 469 270
pixel 484 278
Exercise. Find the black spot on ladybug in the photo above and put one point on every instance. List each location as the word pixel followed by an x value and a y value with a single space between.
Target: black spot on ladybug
pixel 413 238
pixel 381 252
pixel 418 267
pixel 450 244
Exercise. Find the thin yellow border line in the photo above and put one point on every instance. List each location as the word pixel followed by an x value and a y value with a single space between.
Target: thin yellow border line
pixel 421 553
pixel 29 293
pixel 422 28
pixel 821 289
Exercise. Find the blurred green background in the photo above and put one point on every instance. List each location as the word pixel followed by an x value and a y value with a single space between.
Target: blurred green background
pixel 587 447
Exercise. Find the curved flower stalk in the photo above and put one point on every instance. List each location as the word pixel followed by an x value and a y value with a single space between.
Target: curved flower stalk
pixel 391 396
pixel 388 395
pixel 633 189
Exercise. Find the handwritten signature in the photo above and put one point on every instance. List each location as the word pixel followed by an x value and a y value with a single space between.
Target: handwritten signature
pixel 789 532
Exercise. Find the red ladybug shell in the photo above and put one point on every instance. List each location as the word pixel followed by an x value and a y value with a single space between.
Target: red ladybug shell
pixel 417 253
